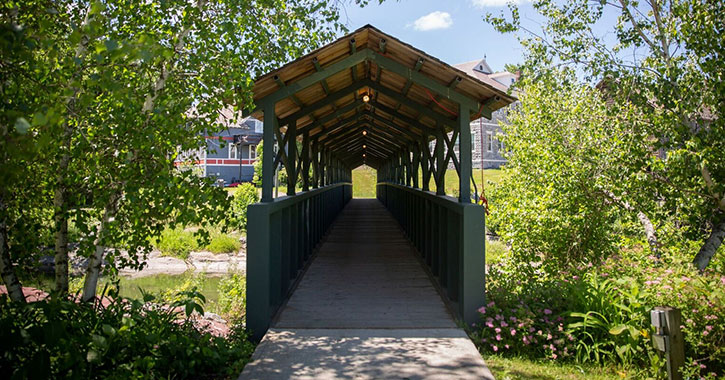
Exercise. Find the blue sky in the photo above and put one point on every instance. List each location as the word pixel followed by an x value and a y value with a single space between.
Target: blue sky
pixel 451 30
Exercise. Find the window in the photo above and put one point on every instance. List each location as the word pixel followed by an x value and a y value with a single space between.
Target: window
pixel 233 151
pixel 258 126
pixel 489 142
pixel 252 152
pixel 500 145
pixel 473 142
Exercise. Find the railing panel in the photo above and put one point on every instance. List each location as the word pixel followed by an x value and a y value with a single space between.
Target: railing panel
pixel 281 236
pixel 449 237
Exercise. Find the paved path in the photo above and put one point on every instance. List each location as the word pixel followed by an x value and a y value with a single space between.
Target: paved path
pixel 365 309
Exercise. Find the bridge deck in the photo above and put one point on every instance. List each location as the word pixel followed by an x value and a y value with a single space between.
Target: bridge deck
pixel 365 309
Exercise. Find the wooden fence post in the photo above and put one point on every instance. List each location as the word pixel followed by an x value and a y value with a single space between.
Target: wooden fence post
pixel 669 339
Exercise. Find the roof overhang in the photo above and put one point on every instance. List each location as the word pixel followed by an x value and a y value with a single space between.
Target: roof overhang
pixel 368 80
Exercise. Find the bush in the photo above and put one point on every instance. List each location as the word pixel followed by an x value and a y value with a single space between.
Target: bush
pixel 127 339
pixel 244 195
pixel 222 243
pixel 176 242
pixel 600 313
pixel 232 297
pixel 495 251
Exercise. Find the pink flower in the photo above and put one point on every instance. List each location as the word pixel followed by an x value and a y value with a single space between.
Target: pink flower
pixel 513 332
pixel 489 324
pixel 708 328
pixel 705 333
pixel 491 304
pixel 498 330
pixel 507 346
pixel 498 337
pixel 494 347
pixel 546 311
pixel 549 337
pixel 504 324
pixel 482 310
pixel 554 356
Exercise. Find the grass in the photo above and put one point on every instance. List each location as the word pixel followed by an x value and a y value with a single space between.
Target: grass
pixel 180 243
pixel 495 251
pixel 364 179
pixel 527 369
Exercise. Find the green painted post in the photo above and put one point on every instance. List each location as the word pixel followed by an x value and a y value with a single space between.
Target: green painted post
pixel 471 265
pixel 440 175
pixel 464 152
pixel 305 162
pixel 270 123
pixel 425 163
pixel 259 297
pixel 315 164
pixel 292 157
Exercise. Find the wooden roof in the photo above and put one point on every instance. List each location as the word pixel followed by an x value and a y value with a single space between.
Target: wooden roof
pixel 412 94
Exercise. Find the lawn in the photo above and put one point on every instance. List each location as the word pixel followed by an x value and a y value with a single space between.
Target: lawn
pixel 364 179
pixel 526 369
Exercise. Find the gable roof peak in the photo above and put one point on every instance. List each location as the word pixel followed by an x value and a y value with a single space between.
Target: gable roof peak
pixel 483 67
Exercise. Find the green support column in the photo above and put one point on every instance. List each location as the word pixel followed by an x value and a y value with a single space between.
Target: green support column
pixel 315 164
pixel 291 157
pixel 440 175
pixel 464 154
pixel 323 167
pixel 305 162
pixel 425 163
pixel 270 123
pixel 416 163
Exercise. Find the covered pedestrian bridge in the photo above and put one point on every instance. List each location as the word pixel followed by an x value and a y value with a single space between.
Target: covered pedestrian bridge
pixel 367 99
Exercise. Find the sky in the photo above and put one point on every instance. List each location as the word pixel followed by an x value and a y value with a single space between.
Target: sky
pixel 453 31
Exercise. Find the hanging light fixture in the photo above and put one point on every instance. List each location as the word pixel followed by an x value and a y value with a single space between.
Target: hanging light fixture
pixel 366 97
pixel 364 146
pixel 365 133
pixel 363 155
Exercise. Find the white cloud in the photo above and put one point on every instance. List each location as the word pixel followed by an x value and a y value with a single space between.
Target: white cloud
pixel 493 3
pixel 434 20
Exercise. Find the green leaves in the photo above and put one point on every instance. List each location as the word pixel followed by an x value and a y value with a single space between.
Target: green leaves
pixel 21 125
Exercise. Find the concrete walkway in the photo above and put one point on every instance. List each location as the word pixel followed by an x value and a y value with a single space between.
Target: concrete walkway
pixel 365 309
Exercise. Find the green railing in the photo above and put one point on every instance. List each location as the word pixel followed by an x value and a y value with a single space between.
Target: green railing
pixel 449 237
pixel 281 236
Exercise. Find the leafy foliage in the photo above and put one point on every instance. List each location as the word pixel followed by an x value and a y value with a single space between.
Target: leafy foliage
pixel 590 314
pixel 660 76
pixel 244 195
pixel 232 297
pixel 127 339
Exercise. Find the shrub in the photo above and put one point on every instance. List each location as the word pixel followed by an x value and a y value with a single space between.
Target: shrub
pixel 232 297
pixel 128 339
pixel 600 313
pixel 495 251
pixel 244 195
pixel 222 243
pixel 176 242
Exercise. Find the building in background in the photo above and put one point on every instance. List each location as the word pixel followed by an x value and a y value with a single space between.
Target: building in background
pixel 487 149
pixel 230 154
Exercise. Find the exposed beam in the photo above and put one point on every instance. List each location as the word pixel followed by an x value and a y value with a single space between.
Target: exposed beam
pixel 292 88
pixel 309 109
pixel 425 81
pixel 282 85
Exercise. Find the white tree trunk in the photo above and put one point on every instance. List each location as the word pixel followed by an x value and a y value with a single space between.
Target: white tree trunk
pixel 60 199
pixel 93 272
pixel 708 250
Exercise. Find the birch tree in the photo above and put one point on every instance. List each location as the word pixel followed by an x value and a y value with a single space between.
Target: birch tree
pixel 138 82
pixel 663 59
